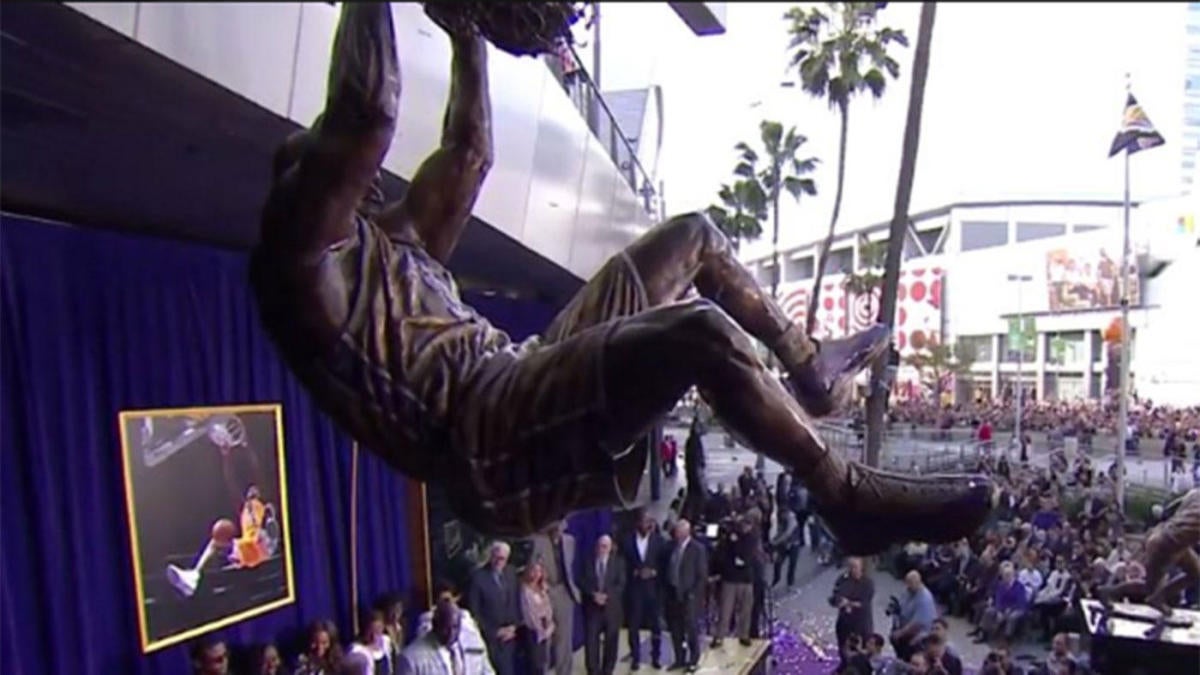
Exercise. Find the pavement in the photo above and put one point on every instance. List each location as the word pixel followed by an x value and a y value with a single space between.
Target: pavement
pixel 805 607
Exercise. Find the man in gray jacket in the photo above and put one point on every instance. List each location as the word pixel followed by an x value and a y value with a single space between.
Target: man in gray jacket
pixel 556 551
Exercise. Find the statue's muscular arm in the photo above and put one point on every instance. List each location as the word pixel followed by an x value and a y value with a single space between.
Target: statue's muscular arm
pixel 312 204
pixel 444 189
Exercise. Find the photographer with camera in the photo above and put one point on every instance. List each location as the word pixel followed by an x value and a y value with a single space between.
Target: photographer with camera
pixel 736 551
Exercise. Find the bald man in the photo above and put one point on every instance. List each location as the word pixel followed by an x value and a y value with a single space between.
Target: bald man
pixel 438 652
pixel 687 573
pixel 602 583
pixel 917 613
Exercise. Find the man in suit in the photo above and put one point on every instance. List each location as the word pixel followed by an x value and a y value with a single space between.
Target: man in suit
pixel 645 555
pixel 556 549
pixel 437 652
pixel 494 601
pixel 687 572
pixel 602 583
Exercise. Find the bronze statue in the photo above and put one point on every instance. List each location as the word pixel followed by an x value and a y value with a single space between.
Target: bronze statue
pixel 1170 544
pixel 357 298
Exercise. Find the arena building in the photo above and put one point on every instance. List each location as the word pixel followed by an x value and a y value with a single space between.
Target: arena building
pixel 972 269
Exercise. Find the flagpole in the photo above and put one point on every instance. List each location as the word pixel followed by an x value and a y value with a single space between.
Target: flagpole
pixel 1123 393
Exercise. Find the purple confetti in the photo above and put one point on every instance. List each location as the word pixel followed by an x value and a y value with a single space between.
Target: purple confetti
pixel 796 654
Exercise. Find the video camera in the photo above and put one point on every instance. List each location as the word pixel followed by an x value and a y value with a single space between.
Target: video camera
pixel 893 607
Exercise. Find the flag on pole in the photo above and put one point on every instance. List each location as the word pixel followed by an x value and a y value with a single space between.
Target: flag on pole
pixel 1136 133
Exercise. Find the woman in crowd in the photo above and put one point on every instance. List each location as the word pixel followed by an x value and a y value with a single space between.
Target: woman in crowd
pixel 392 608
pixel 373 643
pixel 323 654
pixel 265 660
pixel 537 615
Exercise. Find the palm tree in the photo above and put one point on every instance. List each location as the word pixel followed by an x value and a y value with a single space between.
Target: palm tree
pixel 877 399
pixel 936 360
pixel 783 171
pixel 742 211
pixel 840 55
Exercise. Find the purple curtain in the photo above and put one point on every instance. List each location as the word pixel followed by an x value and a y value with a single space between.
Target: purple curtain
pixel 93 323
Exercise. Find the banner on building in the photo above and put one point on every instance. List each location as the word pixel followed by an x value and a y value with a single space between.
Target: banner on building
pixel 918 320
pixel 206 501
pixel 1080 279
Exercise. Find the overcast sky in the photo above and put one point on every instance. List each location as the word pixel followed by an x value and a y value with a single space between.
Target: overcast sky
pixel 1022 101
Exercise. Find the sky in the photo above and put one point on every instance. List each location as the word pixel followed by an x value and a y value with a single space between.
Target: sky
pixel 1022 101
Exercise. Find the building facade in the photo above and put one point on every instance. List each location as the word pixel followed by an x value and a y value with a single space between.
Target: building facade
pixel 1191 101
pixel 975 271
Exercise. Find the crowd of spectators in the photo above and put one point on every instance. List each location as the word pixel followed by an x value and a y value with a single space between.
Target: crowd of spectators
pixel 375 648
pixel 1018 579
pixel 1079 418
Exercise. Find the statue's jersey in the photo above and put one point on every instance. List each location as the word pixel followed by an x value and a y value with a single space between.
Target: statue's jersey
pixel 405 353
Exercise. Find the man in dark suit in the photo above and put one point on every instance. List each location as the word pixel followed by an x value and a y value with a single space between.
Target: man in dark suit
pixel 687 572
pixel 494 602
pixel 602 583
pixel 645 555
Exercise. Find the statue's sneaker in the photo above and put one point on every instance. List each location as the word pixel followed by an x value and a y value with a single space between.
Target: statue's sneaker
pixel 825 383
pixel 874 509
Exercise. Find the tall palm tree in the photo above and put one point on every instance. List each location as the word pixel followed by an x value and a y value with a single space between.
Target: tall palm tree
pixel 877 399
pixel 839 54
pixel 783 170
pixel 742 211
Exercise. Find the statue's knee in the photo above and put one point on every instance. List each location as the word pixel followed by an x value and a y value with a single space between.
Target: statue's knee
pixel 702 319
pixel 698 226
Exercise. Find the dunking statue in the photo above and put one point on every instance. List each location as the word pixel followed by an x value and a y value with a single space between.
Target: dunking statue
pixel 357 298
pixel 1170 544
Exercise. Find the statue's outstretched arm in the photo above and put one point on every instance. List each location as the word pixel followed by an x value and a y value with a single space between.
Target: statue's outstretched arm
pixel 446 185
pixel 335 162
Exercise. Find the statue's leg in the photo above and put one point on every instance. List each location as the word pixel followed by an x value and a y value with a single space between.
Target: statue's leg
pixel 689 251
pixel 605 386
pixel 1170 590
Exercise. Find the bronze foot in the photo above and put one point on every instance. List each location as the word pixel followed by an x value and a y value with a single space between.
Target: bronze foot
pixel 878 509
pixel 823 384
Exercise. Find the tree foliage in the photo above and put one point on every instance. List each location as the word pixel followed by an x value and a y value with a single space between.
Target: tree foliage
pixel 936 361
pixel 741 212
pixel 839 52
pixel 760 180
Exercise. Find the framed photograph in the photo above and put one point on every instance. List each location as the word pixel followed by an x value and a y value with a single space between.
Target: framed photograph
pixel 206 500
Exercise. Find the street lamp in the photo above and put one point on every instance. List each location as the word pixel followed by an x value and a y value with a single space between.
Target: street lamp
pixel 1019 280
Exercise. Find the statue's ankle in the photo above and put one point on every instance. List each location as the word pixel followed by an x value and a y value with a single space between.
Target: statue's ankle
pixel 796 352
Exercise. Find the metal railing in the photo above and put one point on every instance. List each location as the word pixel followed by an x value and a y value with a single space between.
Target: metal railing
pixel 587 98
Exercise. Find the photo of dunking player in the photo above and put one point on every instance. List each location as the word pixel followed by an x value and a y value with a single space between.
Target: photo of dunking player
pixel 207 516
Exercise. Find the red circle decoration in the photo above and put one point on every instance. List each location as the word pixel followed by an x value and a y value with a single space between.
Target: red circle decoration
pixel 937 270
pixel 918 339
pixel 918 272
pixel 900 341
pixel 842 323
pixel 828 302
pixel 935 293
pixel 917 291
pixel 842 302
pixel 901 293
pixel 901 317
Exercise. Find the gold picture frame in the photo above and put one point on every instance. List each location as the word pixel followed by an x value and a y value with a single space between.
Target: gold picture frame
pixel 201 563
